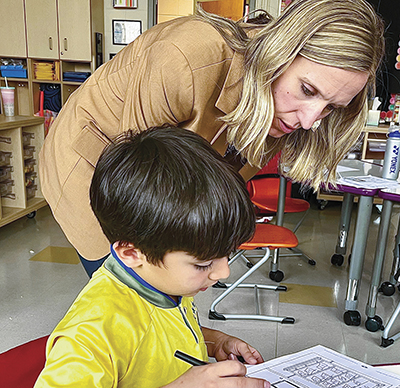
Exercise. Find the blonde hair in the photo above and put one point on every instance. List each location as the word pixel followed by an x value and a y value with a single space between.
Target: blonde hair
pixel 346 34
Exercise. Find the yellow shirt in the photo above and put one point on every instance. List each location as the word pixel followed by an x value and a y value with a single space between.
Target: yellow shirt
pixel 121 332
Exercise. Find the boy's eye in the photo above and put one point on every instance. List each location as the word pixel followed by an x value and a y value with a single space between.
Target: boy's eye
pixel 203 267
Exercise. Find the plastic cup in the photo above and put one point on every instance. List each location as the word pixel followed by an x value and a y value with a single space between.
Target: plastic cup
pixel 7 96
pixel 373 117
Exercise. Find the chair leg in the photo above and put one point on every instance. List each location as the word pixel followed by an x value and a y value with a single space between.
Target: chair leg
pixel 213 314
pixel 386 341
pixel 276 274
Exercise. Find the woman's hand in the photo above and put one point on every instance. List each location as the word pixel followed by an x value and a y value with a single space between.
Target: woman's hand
pixel 222 346
pixel 225 374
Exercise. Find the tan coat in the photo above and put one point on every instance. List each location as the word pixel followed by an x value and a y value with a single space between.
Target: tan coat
pixel 180 72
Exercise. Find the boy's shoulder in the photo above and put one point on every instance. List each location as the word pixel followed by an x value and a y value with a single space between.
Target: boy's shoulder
pixel 105 298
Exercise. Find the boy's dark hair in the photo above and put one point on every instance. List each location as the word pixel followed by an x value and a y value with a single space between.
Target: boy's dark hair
pixel 166 189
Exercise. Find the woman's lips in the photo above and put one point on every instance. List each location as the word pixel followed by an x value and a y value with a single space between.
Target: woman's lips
pixel 285 128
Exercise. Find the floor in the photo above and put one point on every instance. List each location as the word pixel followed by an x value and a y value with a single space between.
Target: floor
pixel 40 275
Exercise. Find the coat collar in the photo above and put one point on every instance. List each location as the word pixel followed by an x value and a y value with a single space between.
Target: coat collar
pixel 232 89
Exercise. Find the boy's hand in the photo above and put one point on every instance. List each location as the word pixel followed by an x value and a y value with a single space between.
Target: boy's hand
pixel 233 347
pixel 222 346
pixel 226 374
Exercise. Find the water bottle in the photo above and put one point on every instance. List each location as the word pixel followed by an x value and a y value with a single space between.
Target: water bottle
pixel 391 163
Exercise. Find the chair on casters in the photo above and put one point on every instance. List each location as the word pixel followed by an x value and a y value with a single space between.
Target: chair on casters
pixel 271 196
pixel 266 237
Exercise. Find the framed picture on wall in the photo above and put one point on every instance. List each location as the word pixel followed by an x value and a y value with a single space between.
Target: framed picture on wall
pixel 126 31
pixel 125 3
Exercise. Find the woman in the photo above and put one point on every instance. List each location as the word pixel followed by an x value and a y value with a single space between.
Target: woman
pixel 254 89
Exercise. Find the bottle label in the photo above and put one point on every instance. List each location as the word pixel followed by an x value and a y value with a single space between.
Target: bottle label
pixel 393 160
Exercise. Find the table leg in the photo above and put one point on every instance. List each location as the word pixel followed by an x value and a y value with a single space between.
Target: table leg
pixel 395 274
pixel 353 317
pixel 345 219
pixel 374 322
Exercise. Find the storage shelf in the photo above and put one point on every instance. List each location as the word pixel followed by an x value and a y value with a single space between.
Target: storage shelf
pixel 25 136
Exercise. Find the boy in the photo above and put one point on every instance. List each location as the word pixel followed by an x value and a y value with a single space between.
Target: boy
pixel 173 210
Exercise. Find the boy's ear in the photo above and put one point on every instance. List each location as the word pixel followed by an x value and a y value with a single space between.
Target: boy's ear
pixel 130 256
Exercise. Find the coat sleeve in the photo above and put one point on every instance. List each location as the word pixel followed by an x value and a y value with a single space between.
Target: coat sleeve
pixel 160 89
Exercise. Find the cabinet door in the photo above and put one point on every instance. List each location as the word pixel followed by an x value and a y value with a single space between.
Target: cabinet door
pixel 74 29
pixel 232 9
pixel 41 25
pixel 12 28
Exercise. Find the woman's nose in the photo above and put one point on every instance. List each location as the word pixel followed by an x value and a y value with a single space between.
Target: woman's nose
pixel 220 270
pixel 310 114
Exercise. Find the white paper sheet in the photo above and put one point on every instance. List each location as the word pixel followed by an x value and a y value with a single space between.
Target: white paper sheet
pixel 320 367
pixel 345 169
pixel 367 182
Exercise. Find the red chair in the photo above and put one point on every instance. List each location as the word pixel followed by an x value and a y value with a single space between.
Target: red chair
pixel 271 195
pixel 266 238
pixel 21 366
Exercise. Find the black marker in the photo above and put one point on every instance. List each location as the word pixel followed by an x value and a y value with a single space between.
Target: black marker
pixel 189 359
pixel 195 361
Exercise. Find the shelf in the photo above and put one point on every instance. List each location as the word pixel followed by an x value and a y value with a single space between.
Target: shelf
pixel 13 214
pixel 14 79
pixel 23 138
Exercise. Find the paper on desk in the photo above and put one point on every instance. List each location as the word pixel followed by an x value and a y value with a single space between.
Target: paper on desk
pixel 340 169
pixel 367 182
pixel 320 367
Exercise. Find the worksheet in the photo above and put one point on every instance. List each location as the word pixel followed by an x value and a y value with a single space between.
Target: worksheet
pixel 320 367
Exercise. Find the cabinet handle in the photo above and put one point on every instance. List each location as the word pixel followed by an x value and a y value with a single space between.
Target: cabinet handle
pixel 50 43
pixel 65 44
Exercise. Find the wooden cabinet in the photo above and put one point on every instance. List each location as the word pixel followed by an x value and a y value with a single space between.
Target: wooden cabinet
pixel 60 34
pixel 374 142
pixel 232 9
pixel 20 141
pixel 62 29
pixel 12 28
pixel 41 29
pixel 74 30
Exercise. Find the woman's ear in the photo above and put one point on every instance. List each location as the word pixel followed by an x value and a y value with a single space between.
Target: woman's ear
pixel 129 255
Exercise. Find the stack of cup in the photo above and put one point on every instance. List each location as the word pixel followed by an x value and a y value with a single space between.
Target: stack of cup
pixel 7 97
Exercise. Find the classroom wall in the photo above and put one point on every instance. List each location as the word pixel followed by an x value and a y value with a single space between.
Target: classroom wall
pixel 111 13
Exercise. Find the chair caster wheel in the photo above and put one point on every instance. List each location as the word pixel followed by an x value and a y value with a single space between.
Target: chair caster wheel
pixel 352 318
pixel 31 214
pixel 374 324
pixel 337 259
pixel 219 285
pixel 387 288
pixel 276 276
pixel 386 342
pixel 312 262
pixel 322 204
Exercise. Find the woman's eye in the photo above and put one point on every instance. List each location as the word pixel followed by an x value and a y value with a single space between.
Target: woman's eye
pixel 307 91
pixel 203 267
